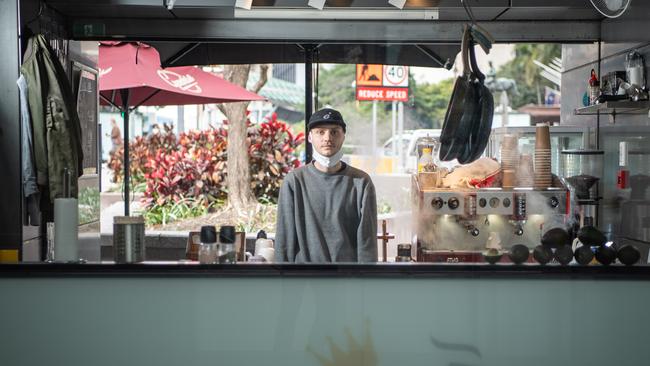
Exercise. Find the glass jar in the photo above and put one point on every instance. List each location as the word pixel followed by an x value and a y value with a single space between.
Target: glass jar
pixel 431 145
pixel 226 252
pixel 403 253
pixel 635 69
pixel 208 247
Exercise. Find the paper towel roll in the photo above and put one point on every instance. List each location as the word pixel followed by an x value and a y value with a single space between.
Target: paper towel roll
pixel 66 226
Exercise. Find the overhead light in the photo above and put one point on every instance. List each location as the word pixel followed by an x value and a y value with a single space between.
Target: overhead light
pixel 334 14
pixel 317 4
pixel 399 4
pixel 243 4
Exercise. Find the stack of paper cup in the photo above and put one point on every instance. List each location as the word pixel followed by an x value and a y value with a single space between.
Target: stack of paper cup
pixel 509 178
pixel 526 171
pixel 509 152
pixel 543 177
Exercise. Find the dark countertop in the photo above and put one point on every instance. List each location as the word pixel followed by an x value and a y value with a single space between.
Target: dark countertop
pixel 389 270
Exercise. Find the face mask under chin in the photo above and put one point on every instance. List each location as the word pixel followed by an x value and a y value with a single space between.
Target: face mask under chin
pixel 328 162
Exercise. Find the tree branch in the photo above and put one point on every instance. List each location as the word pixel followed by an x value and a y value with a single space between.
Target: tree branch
pixel 264 77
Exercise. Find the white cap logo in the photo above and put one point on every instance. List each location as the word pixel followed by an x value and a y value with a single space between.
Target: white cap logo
pixel 327 116
pixel 183 82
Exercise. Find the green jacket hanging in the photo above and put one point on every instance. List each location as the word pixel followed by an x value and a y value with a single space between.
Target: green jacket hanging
pixel 55 123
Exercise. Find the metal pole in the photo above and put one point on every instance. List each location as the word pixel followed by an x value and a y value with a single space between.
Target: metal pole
pixel 309 58
pixel 180 114
pixel 400 131
pixel 11 229
pixel 124 93
pixel 394 118
pixel 373 147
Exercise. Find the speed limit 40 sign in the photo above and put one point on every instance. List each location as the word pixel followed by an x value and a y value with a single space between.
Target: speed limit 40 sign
pixel 382 82
pixel 396 76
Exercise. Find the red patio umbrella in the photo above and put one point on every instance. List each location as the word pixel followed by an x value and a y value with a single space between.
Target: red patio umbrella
pixel 130 76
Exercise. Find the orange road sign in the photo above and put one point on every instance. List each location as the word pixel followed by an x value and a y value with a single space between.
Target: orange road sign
pixel 369 75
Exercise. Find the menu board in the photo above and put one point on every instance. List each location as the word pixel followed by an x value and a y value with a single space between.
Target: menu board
pixel 86 91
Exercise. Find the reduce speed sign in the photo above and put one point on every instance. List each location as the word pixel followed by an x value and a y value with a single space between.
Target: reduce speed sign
pixel 396 76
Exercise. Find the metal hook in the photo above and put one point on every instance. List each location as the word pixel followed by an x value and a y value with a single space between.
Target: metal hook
pixel 468 10
pixel 41 7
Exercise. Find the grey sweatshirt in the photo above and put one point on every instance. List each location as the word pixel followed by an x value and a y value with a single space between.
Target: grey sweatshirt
pixel 326 217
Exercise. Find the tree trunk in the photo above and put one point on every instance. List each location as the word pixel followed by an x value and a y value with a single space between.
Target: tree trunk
pixel 240 194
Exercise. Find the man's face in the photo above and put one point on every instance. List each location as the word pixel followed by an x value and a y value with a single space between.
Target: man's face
pixel 327 139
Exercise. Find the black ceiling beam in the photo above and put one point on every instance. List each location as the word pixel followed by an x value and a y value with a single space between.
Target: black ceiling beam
pixel 209 53
pixel 317 31
pixel 170 61
pixel 447 64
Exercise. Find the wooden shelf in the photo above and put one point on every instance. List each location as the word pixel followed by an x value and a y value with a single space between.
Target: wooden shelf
pixel 615 107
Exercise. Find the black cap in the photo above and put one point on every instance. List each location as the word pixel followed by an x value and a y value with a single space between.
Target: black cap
pixel 261 234
pixel 208 234
pixel 227 234
pixel 326 116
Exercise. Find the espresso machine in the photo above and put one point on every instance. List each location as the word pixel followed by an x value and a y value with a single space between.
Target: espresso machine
pixel 454 226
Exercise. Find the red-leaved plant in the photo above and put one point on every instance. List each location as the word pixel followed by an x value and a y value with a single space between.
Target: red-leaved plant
pixel 272 156
pixel 141 149
pixel 192 167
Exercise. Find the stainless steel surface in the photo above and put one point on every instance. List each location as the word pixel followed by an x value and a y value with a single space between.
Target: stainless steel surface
pixel 443 203
pixel 615 107
pixel 551 201
pixel 495 202
pixel 441 228
pixel 635 220
pixel 128 239
pixel 514 216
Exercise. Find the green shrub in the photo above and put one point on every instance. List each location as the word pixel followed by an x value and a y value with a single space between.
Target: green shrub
pixel 185 176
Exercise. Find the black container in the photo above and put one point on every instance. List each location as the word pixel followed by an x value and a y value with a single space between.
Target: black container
pixel 542 254
pixel 584 255
pixel 556 238
pixel 519 253
pixel 590 236
pixel 605 255
pixel 403 253
pixel 563 254
pixel 628 255
pixel 492 256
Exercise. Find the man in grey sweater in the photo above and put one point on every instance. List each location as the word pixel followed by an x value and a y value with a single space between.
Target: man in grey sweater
pixel 327 210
